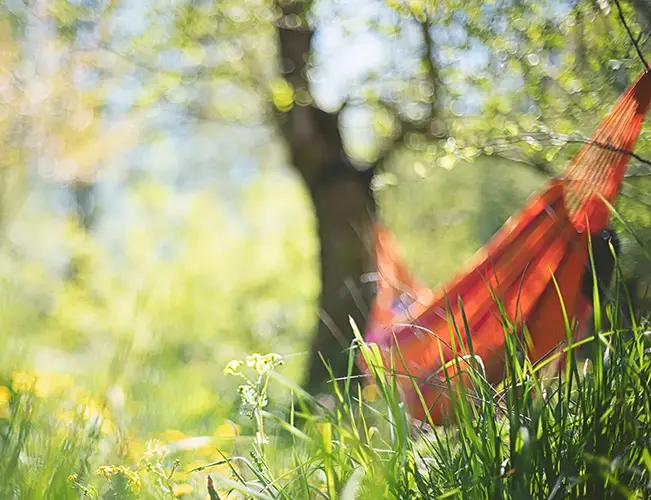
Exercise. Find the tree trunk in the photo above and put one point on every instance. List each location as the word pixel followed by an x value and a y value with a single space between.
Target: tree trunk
pixel 342 201
pixel 343 207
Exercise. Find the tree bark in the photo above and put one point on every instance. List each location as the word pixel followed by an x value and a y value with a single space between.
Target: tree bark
pixel 343 206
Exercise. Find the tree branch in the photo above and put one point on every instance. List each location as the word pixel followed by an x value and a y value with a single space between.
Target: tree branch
pixel 431 68
pixel 312 135
pixel 630 35
pixel 561 139
pixel 424 127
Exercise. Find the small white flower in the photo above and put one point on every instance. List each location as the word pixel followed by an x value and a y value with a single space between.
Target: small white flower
pixel 233 367
pixel 260 440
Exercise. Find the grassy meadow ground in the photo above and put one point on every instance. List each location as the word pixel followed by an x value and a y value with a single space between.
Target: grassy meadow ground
pixel 584 434
pixel 123 381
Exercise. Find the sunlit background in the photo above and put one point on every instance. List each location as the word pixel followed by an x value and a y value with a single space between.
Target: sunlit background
pixel 153 226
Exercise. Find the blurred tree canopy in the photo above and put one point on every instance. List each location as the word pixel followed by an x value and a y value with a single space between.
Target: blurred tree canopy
pixel 439 117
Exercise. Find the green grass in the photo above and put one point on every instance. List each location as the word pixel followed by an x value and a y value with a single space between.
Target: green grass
pixel 582 434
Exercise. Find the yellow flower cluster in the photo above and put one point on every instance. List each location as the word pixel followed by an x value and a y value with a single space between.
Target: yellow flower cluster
pixel 41 384
pixel 47 384
pixel 133 480
pixel 261 363
pixel 264 363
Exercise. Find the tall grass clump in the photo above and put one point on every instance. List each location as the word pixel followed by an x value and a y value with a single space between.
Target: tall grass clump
pixel 569 426
pixel 566 427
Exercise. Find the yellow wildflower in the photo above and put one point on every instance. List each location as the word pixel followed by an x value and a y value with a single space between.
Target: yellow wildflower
pixel 5 398
pixel 228 429
pixel 233 367
pixel 52 383
pixel 171 435
pixel 108 471
pixel 105 470
pixel 264 363
pixel 22 381
pixel 5 394
pixel 182 489
pixel 136 449
pixel 107 426
pixel 90 409
pixel 207 451
pixel 42 384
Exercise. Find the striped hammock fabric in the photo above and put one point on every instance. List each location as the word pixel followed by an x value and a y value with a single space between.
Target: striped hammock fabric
pixel 539 255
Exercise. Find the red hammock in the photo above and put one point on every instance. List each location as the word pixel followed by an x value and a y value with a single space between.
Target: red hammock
pixel 543 247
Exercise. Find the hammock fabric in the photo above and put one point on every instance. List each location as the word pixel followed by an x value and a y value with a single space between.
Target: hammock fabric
pixel 539 255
